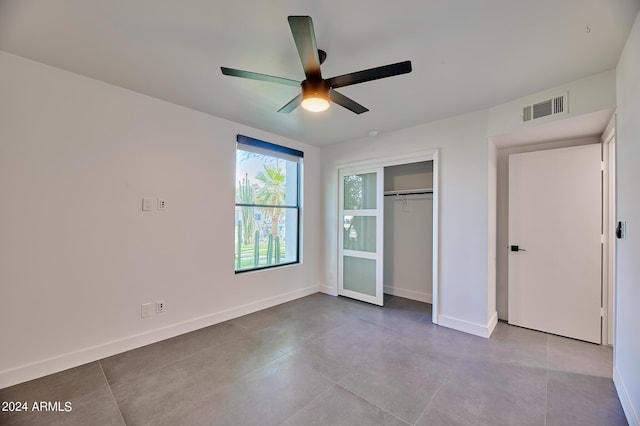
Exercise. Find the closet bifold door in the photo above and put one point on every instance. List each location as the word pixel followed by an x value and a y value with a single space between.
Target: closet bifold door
pixel 360 235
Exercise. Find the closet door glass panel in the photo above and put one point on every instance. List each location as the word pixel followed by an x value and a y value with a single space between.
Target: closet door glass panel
pixel 360 191
pixel 360 248
pixel 360 233
pixel 360 275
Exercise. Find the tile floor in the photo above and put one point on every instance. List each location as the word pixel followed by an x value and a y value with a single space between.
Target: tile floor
pixel 324 360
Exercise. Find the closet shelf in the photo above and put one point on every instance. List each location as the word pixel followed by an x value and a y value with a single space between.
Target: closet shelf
pixel 409 191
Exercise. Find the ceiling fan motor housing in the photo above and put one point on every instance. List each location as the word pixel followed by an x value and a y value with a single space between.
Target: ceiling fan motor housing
pixel 315 89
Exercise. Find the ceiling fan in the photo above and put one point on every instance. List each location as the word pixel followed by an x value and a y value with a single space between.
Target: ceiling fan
pixel 317 91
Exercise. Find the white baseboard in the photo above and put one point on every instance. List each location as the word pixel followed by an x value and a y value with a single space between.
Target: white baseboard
pixel 73 359
pixel 408 294
pixel 625 400
pixel 493 321
pixel 330 290
pixel 482 330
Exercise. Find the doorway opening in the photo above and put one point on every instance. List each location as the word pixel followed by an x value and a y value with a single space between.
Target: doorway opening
pixel 388 232
pixel 606 140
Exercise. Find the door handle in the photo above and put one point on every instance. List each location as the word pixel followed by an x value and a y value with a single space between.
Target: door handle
pixel 517 248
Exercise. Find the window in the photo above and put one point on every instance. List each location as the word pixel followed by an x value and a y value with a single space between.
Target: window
pixel 267 204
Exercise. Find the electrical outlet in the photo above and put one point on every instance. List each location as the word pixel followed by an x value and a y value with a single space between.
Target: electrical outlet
pixel 146 310
pixel 162 204
pixel 159 306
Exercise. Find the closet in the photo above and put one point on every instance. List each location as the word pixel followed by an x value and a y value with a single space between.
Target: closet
pixel 408 230
pixel 388 229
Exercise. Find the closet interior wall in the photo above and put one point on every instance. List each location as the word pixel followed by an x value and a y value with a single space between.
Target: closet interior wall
pixel 408 231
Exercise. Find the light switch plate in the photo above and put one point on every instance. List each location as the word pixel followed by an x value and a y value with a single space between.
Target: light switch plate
pixel 147 204
pixel 146 310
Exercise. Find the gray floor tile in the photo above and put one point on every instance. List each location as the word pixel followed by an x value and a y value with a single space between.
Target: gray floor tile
pixel 343 348
pixel 65 386
pixel 316 303
pixel 511 345
pixel 406 305
pixel 392 315
pixel 295 361
pixel 432 417
pixel 339 407
pixel 340 350
pixel 286 337
pixel 316 323
pixel 398 380
pixel 259 320
pixel 493 394
pixel 128 365
pixel 97 408
pixel 578 399
pixel 325 359
pixel 574 356
pixel 265 397
pixel 192 379
pixel 432 341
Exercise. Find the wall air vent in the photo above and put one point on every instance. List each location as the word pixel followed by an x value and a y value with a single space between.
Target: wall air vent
pixel 553 106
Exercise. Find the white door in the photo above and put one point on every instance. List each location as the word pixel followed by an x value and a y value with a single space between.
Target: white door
pixel 555 208
pixel 361 233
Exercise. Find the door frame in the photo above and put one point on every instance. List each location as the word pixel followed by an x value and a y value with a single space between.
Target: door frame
pixel 608 139
pixel 396 160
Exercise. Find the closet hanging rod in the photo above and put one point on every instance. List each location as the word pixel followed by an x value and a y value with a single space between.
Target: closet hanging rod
pixel 409 192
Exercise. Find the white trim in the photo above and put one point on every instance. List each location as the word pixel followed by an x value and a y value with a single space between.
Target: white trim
pixel 609 249
pixel 625 400
pixel 374 300
pixel 393 160
pixel 482 330
pixel 363 212
pixel 327 289
pixel 420 296
pixel 435 290
pixel 73 359
pixel 361 254
pixel 610 130
pixel 493 322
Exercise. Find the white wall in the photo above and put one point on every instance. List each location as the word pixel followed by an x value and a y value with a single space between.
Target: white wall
pixel 587 95
pixel 627 337
pixel 502 292
pixel 77 254
pixel 463 210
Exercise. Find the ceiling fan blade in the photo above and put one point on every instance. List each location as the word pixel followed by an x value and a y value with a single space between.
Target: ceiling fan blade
pixel 257 76
pixel 305 38
pixel 370 74
pixel 292 104
pixel 346 102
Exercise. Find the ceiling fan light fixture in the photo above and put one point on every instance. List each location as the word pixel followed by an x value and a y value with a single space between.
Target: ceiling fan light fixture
pixel 315 103
pixel 315 95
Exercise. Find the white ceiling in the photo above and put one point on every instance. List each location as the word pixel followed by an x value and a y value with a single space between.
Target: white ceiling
pixel 466 54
